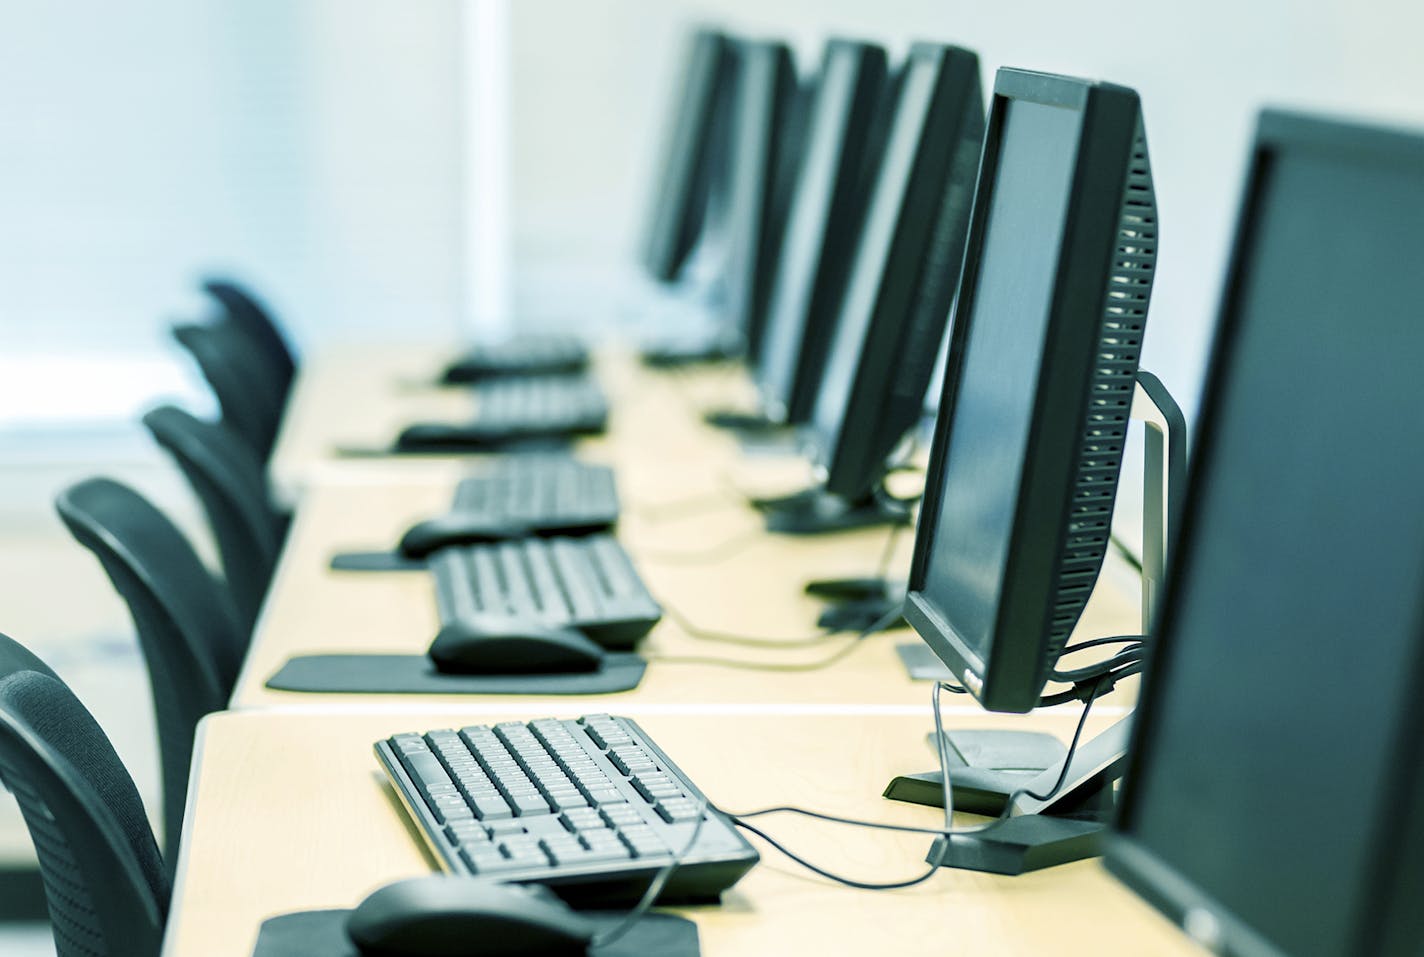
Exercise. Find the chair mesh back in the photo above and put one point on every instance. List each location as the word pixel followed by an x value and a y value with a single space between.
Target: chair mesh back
pixel 230 483
pixel 251 402
pixel 103 876
pixel 187 627
pixel 255 321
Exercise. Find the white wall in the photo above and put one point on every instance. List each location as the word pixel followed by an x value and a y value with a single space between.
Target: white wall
pixel 311 146
pixel 590 93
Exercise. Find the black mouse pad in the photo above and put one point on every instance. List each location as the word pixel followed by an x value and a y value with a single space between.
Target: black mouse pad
pixel 388 561
pixel 414 674
pixel 322 933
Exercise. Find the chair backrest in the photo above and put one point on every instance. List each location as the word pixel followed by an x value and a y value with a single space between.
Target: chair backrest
pixel 104 879
pixel 250 399
pixel 187 627
pixel 255 320
pixel 232 487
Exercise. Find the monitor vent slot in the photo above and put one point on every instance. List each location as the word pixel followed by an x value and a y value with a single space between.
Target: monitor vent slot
pixel 1128 293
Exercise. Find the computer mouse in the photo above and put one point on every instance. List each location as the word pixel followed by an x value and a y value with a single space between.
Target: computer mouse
pixel 849 589
pixel 444 436
pixel 444 916
pixel 480 645
pixel 446 531
pixel 451 530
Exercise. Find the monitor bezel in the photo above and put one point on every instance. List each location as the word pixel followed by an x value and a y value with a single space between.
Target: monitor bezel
pixel 1016 672
pixel 760 126
pixel 1129 860
pixel 686 171
pixel 872 423
pixel 870 65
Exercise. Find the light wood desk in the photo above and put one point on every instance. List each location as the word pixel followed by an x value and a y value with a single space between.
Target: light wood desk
pixel 753 588
pixel 290 812
pixel 362 396
pixel 700 548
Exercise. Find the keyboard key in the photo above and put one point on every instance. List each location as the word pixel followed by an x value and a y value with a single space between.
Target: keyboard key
pixel 643 841
pixel 582 819
pixel 491 807
pixel 678 809
pixel 527 804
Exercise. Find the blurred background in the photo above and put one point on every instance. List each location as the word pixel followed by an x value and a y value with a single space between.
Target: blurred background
pixel 381 170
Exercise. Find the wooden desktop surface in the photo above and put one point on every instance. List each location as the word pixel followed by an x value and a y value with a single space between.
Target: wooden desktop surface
pixel 683 485
pixel 361 396
pixel 715 568
pixel 291 811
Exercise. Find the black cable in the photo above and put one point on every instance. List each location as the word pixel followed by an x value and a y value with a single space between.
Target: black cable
pixel 1122 658
pixel 744 665
pixel 655 886
pixel 1078 692
pixel 856 640
pixel 1098 642
pixel 740 819
pixel 835 819
pixel 1126 552
pixel 847 881
pixel 730 638
pixel 1068 758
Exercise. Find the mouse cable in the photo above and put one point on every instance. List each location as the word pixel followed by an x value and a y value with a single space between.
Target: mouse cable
pixel 712 554
pixel 730 638
pixel 856 640
pixel 655 886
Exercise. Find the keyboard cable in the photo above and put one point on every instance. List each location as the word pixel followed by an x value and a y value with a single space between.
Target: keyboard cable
pixel 854 641
pixel 1088 694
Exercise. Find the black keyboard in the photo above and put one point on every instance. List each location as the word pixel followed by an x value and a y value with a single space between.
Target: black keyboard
pixel 514 411
pixel 520 355
pixel 537 491
pixel 541 404
pixel 586 583
pixel 591 807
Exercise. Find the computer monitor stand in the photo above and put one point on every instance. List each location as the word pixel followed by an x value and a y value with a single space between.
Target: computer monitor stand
pixel 855 604
pixel 754 423
pixel 815 511
pixel 990 768
pixel 682 351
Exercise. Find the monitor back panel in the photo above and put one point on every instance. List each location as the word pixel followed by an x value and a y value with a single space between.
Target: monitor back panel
pixel 1273 803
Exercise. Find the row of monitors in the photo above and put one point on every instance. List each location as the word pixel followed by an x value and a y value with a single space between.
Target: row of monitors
pixel 1279 746
pixel 840 207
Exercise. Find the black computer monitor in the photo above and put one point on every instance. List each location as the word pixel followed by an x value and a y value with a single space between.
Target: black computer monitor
pixel 1039 384
pixel 693 152
pixel 1273 796
pixel 903 275
pixel 763 134
pixel 821 228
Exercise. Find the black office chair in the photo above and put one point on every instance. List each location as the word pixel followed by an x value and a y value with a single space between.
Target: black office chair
pixel 230 484
pixel 187 626
pixel 104 879
pixel 248 395
pixel 256 321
